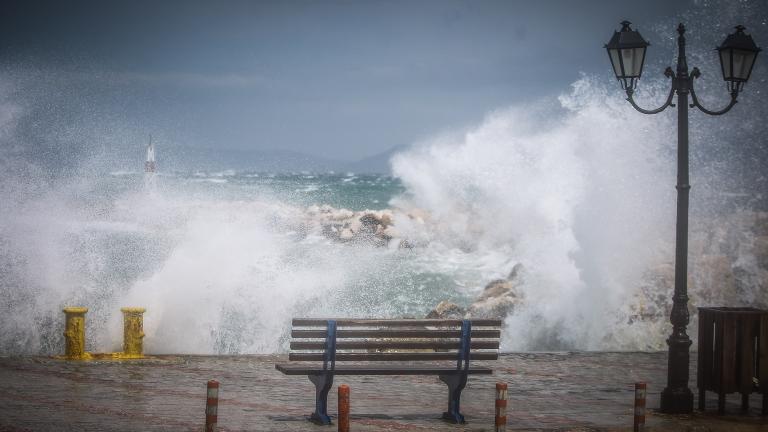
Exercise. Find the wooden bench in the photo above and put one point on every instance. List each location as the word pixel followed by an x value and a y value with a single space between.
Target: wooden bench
pixel 391 347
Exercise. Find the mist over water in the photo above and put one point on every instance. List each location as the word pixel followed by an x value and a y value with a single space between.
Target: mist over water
pixel 578 189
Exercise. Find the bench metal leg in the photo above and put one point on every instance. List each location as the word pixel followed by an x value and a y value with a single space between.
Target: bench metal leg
pixel 323 384
pixel 455 384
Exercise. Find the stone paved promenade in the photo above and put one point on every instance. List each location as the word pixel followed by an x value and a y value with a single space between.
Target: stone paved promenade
pixel 547 391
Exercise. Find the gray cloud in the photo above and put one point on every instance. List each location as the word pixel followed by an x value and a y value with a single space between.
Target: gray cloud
pixel 338 79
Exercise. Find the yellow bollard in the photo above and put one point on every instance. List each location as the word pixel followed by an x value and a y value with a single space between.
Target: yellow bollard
pixel 74 333
pixel 133 332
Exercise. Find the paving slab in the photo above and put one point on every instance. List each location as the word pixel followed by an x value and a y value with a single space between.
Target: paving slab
pixel 575 391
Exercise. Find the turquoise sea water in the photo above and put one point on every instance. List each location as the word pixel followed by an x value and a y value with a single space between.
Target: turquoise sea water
pixel 348 190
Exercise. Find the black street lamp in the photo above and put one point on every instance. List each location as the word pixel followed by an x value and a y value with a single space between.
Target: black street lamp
pixel 626 50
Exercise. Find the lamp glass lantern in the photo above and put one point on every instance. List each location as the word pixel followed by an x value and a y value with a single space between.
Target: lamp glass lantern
pixel 626 50
pixel 737 57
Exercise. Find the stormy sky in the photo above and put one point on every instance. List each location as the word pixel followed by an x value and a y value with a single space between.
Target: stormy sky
pixel 338 79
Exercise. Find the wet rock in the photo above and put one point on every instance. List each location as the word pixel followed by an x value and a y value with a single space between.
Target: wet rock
pixel 715 280
pixel 346 234
pixel 446 310
pixel 370 220
pixel 404 244
pixel 372 227
pixel 653 300
pixel 355 225
pixel 418 215
pixel 498 300
pixel 386 220
pixel 388 233
pixel 500 297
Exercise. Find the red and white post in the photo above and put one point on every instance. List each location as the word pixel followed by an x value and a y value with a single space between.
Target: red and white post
pixel 212 406
pixel 501 407
pixel 343 408
pixel 639 407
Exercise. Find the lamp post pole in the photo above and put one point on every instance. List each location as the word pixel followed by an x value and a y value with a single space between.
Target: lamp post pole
pixel 627 54
pixel 677 397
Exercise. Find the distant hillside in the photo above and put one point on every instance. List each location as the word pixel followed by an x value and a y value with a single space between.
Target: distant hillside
pixel 378 163
pixel 179 158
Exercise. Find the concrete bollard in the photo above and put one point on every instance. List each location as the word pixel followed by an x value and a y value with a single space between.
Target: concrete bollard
pixel 501 407
pixel 212 406
pixel 343 408
pixel 74 333
pixel 133 332
pixel 639 423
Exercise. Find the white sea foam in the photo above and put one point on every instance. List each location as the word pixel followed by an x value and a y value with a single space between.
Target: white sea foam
pixel 211 180
pixel 309 188
pixel 123 173
pixel 577 193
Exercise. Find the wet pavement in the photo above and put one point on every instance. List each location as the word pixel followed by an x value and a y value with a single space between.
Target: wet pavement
pixel 547 391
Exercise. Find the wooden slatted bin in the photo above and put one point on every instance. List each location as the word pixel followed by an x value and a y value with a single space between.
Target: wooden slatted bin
pixel 733 354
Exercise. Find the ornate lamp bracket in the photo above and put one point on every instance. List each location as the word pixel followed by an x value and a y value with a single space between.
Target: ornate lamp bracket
pixel 669 73
pixel 696 73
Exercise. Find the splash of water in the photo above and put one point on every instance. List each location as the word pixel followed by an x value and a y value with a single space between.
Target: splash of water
pixel 555 187
pixel 579 190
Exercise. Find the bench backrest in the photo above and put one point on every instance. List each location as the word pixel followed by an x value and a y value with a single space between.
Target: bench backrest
pixel 332 340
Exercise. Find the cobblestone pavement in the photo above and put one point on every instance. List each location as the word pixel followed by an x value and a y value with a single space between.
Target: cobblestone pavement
pixel 547 391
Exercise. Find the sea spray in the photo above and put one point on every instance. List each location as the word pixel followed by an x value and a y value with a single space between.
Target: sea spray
pixel 575 190
pixel 557 190
pixel 578 190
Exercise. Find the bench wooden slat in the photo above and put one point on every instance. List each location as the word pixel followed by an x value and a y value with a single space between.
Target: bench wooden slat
pixel 402 334
pixel 349 322
pixel 435 347
pixel 297 369
pixel 394 344
pixel 403 356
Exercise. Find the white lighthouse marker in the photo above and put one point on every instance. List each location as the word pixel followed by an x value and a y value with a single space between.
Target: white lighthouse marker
pixel 149 165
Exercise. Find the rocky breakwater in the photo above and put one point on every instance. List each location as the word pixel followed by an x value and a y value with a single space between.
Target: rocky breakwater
pixel 728 266
pixel 377 227
pixel 373 227
pixel 730 261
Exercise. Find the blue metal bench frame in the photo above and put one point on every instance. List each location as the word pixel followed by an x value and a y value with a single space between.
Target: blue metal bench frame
pixel 324 381
pixel 455 381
